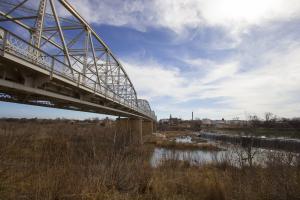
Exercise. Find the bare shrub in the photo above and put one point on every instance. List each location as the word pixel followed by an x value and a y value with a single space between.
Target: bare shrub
pixel 62 160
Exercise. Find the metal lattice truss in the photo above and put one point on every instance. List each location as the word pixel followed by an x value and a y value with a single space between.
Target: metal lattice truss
pixel 51 34
pixel 145 106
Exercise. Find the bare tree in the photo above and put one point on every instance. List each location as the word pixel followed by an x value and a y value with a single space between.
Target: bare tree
pixel 254 121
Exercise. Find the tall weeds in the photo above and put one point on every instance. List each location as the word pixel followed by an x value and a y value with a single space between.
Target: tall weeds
pixel 60 160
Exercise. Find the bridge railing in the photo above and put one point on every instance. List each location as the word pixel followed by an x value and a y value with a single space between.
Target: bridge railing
pixel 11 43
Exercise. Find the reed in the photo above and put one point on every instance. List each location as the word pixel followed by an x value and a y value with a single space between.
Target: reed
pixel 62 160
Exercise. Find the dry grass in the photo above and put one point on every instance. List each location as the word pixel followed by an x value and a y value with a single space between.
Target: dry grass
pixel 173 134
pixel 225 182
pixel 59 160
pixel 66 161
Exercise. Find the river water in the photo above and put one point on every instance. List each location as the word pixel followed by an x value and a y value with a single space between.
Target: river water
pixel 232 154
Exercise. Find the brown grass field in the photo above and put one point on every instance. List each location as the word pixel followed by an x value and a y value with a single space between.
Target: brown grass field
pixel 62 160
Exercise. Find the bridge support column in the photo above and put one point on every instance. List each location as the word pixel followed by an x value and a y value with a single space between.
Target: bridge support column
pixel 137 128
pixel 154 126
pixel 134 126
pixel 147 127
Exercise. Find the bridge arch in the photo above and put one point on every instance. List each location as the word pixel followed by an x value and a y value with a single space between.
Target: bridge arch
pixel 56 37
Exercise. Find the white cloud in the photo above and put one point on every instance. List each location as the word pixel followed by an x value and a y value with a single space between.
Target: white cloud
pixel 243 12
pixel 271 83
pixel 154 80
pixel 235 15
pixel 273 87
pixel 131 13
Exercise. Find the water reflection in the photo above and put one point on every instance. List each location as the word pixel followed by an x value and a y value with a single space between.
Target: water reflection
pixel 194 157
pixel 184 139
pixel 231 154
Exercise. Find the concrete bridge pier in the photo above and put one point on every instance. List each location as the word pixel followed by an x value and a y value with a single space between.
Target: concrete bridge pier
pixel 147 127
pixel 136 126
pixel 154 127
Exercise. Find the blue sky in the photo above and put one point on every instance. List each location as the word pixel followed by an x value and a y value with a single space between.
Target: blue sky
pixel 218 58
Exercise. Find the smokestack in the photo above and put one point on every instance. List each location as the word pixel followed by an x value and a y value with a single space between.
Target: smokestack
pixel 192 116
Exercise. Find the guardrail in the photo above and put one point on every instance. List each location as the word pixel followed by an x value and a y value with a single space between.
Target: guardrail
pixel 12 44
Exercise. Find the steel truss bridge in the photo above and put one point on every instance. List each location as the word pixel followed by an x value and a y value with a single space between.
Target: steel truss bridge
pixel 50 56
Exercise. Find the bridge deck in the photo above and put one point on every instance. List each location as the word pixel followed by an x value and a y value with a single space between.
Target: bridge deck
pixel 56 59
pixel 39 79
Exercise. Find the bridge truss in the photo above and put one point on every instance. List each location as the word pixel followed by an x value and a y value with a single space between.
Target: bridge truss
pixel 47 46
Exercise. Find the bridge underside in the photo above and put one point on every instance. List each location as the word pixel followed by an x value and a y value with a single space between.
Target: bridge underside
pixel 137 127
pixel 55 59
pixel 21 84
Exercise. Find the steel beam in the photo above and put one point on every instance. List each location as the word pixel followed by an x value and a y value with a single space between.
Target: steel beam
pixel 82 60
pixel 61 36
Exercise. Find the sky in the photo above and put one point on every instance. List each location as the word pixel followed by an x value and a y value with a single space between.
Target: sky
pixel 217 58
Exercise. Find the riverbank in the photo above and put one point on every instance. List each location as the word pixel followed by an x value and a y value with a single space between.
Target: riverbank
pixel 260 131
pixel 61 160
pixel 180 140
pixel 287 144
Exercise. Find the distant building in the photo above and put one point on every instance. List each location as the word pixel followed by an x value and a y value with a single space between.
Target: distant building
pixel 239 123
pixel 219 123
pixel 174 121
pixel 206 123
pixel 164 121
pixel 215 122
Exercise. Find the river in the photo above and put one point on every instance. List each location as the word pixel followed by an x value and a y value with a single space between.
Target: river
pixel 236 154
